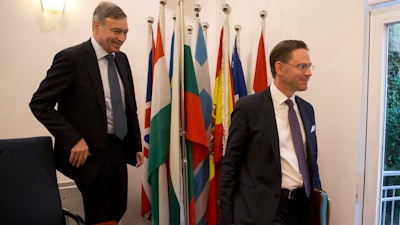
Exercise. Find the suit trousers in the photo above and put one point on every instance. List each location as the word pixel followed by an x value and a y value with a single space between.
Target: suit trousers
pixel 105 199
pixel 293 211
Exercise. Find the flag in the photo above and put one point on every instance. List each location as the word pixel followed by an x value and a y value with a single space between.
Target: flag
pixel 195 142
pixel 239 84
pixel 159 131
pixel 223 102
pixel 260 73
pixel 201 174
pixel 146 190
pixel 171 60
pixel 177 204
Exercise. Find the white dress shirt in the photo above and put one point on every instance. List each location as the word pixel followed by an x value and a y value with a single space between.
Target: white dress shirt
pixel 291 175
pixel 103 66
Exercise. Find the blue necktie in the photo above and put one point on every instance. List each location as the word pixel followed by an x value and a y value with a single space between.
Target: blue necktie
pixel 299 147
pixel 120 124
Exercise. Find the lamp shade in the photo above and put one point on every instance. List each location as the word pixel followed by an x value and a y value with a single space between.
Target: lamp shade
pixel 53 5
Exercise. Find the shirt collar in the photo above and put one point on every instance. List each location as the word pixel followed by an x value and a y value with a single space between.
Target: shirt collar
pixel 100 52
pixel 278 96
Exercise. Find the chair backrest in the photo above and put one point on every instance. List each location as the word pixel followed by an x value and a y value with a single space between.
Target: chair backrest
pixel 28 184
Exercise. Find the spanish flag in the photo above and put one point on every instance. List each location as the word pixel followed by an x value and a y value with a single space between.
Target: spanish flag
pixel 223 103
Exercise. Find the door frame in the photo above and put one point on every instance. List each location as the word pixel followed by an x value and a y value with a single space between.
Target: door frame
pixel 375 85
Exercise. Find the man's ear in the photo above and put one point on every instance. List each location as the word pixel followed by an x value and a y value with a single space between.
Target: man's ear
pixel 280 67
pixel 95 25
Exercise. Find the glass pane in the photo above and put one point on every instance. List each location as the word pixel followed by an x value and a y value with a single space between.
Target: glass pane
pixel 390 198
pixel 392 131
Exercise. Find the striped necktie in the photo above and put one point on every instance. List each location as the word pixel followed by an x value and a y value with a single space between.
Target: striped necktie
pixel 299 146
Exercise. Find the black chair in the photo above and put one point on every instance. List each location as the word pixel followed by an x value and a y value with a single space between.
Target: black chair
pixel 29 192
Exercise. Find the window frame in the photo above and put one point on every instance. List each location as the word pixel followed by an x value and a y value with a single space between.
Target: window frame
pixel 380 16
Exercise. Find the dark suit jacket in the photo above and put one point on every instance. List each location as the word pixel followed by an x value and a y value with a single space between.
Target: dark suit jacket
pixel 250 182
pixel 73 82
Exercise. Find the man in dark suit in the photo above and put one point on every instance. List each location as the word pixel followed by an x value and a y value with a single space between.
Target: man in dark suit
pixel 86 147
pixel 261 182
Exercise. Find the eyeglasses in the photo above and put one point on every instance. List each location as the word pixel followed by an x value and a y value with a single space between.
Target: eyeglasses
pixel 303 67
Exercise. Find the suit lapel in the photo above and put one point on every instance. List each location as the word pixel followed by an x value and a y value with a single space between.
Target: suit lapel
pixel 305 117
pixel 94 73
pixel 308 123
pixel 267 107
pixel 123 73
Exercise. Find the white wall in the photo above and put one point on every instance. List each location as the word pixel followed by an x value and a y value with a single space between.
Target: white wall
pixel 332 29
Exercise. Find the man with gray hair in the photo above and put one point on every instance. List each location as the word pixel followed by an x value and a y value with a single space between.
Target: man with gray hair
pixel 95 124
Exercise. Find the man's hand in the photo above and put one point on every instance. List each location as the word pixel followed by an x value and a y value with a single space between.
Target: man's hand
pixel 139 159
pixel 79 153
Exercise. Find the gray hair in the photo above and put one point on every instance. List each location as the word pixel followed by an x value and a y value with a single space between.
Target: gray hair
pixel 107 10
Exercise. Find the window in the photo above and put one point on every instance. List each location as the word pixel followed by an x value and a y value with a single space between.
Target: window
pixel 381 196
pixel 390 194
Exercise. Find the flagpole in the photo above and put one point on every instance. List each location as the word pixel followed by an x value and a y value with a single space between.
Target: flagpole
pixel 197 9
pixel 150 20
pixel 190 30
pixel 225 75
pixel 185 166
pixel 263 14
pixel 205 26
pixel 237 29
pixel 197 26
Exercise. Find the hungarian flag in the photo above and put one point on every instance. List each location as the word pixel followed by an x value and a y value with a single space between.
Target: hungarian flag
pixel 146 191
pixel 260 73
pixel 201 171
pixel 239 84
pixel 193 144
pixel 223 103
pixel 159 131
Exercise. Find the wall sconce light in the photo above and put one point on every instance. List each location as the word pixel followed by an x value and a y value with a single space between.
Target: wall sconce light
pixel 56 6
